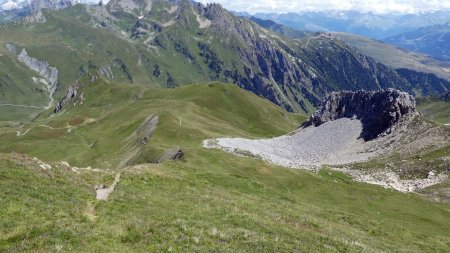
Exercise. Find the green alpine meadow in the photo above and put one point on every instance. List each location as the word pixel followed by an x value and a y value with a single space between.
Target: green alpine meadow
pixel 183 126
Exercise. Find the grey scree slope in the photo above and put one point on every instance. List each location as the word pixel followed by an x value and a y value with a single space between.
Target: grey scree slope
pixel 334 142
pixel 346 129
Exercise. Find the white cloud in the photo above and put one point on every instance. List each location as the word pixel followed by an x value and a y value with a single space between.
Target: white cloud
pixel 378 6
pixel 251 6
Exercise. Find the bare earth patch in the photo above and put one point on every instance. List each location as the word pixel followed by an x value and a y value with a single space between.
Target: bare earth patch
pixel 103 193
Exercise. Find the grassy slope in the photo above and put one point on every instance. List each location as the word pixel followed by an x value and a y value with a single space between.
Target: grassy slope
pixel 438 111
pixel 210 201
pixel 112 112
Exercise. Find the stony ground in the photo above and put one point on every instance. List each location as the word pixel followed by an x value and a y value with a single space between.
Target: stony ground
pixel 335 142
pixel 389 179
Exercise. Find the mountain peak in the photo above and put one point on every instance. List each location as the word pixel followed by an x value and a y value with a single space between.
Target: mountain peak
pixel 132 5
pixel 37 5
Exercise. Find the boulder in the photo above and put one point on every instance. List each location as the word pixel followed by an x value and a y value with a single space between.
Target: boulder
pixel 431 175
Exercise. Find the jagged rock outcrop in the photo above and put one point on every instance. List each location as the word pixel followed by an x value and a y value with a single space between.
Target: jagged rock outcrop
pixel 37 5
pixel 35 17
pixel 379 111
pixel 131 6
pixel 31 11
pixel 172 154
pixel 51 74
pixel 71 96
pixel 292 74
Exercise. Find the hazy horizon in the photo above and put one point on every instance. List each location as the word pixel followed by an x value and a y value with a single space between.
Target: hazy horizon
pixel 298 6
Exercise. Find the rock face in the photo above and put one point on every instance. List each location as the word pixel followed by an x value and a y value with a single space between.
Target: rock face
pixel 51 74
pixel 37 5
pixel 294 74
pixel 71 96
pixel 172 154
pixel 30 11
pixel 379 111
pixel 11 48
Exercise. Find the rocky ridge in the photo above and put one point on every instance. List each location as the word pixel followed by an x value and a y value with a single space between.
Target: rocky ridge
pixel 294 74
pixel 37 5
pixel 49 73
pixel 379 111
pixel 30 11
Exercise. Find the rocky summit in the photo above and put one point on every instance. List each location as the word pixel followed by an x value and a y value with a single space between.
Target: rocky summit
pixel 379 111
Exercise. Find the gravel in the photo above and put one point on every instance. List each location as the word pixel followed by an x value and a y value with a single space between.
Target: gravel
pixel 338 142
pixel 332 143
pixel 389 179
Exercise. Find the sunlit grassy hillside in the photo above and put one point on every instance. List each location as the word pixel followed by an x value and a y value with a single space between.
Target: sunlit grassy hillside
pixel 209 201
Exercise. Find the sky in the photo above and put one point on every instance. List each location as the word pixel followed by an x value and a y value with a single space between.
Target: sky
pixel 377 6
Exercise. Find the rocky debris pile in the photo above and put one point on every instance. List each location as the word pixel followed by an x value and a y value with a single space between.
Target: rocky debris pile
pixel 42 164
pixel 66 166
pixel 172 155
pixel 379 111
pixel 389 179
pixel 334 142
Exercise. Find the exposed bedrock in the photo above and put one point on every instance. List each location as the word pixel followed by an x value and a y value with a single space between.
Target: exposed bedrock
pixel 379 111
pixel 42 67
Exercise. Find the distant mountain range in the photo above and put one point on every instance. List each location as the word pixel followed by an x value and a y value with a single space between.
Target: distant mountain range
pixel 396 57
pixel 281 29
pixel 432 40
pixel 16 5
pixel 376 26
pixel 8 5
pixel 161 43
pixel 11 10
pixel 388 54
